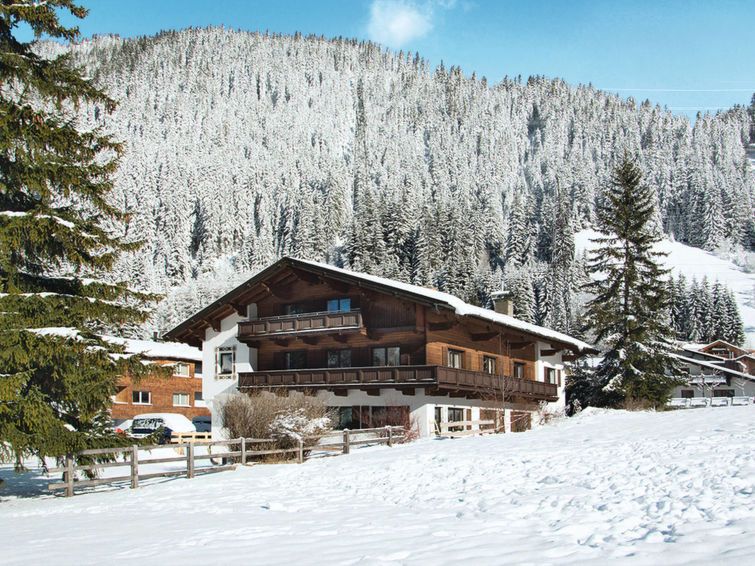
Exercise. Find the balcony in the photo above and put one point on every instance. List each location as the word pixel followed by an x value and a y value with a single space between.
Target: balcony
pixel 329 322
pixel 443 379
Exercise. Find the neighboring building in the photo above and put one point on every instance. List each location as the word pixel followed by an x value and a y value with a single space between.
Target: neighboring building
pixel 380 351
pixel 723 354
pixel 179 393
pixel 711 379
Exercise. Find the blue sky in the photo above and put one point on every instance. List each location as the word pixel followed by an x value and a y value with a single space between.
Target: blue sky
pixel 689 55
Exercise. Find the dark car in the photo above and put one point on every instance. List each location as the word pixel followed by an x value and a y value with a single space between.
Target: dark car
pixel 202 424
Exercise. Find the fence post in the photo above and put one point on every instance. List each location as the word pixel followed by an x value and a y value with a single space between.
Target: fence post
pixel 390 436
pixel 69 475
pixel 300 453
pixel 243 451
pixel 346 447
pixel 190 460
pixel 134 466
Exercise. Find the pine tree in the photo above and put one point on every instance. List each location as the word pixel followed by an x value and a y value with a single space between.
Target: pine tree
pixel 628 310
pixel 58 233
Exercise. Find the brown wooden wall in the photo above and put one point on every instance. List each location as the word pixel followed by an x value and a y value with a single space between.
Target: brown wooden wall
pixel 389 321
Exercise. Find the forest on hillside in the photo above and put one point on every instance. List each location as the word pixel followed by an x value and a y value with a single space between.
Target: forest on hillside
pixel 242 147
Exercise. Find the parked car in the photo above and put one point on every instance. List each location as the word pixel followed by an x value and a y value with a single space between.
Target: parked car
pixel 202 424
pixel 124 427
pixel 148 423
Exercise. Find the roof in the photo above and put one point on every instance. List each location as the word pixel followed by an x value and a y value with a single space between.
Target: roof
pixel 159 350
pixel 415 293
pixel 716 367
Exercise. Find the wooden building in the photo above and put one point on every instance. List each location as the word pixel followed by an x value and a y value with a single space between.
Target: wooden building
pixel 377 350
pixel 180 392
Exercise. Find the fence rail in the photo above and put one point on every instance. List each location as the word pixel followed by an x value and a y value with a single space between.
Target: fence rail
pixel 243 450
pixel 465 428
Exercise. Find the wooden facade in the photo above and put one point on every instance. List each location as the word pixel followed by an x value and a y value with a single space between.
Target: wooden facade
pixel 302 326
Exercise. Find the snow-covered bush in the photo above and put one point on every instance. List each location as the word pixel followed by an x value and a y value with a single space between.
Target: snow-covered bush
pixel 285 419
pixel 292 425
pixel 546 413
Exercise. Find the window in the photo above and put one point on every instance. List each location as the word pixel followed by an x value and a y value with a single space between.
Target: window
pixel 519 370
pixel 198 396
pixel 141 398
pixel 489 365
pixel 181 400
pixel 339 358
pixel 455 359
pixel 226 361
pixel 390 356
pixel 339 305
pixel 550 375
pixel 687 393
pixel 181 370
pixel 455 415
pixel 294 308
pixel 723 393
pixel 197 369
pixel 296 359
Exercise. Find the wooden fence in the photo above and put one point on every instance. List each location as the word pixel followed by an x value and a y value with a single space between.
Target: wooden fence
pixel 465 428
pixel 243 450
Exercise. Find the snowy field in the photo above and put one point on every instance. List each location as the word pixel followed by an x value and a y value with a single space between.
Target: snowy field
pixel 639 488
pixel 697 263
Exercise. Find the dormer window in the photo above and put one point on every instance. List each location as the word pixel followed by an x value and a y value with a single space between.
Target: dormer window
pixel 339 305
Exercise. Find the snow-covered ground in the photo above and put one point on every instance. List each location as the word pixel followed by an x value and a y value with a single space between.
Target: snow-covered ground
pixel 640 488
pixel 697 263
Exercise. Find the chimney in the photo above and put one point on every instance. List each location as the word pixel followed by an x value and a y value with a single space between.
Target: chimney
pixel 503 302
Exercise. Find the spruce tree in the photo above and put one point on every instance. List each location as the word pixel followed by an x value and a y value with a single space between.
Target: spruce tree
pixel 58 234
pixel 629 311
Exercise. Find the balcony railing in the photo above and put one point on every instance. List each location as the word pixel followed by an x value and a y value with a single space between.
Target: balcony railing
pixel 311 322
pixel 444 379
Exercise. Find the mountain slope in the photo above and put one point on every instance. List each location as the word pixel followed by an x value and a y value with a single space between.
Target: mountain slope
pixel 246 147
pixel 697 263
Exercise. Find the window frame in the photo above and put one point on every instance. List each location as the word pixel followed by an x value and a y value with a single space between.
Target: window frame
pixel 687 393
pixel 219 353
pixel 386 358
pixel 340 303
pixel 287 357
pixel 454 353
pixel 486 359
pixel 198 396
pixel 549 375
pixel 517 366
pixel 180 393
pixel 340 354
pixel 140 393
pixel 181 365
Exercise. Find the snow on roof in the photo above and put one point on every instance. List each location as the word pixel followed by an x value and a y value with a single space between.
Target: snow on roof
pixel 158 350
pixel 716 367
pixel 461 308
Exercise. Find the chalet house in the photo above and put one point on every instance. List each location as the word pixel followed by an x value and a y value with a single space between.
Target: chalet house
pixel 376 350
pixel 714 383
pixel 723 354
pixel 179 393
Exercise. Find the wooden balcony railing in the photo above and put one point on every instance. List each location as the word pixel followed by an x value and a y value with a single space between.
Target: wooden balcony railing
pixel 324 322
pixel 445 379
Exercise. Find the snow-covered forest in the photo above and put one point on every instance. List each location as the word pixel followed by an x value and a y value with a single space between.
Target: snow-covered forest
pixel 242 147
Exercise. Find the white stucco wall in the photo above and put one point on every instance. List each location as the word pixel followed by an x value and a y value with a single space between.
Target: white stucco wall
pixel 215 389
pixel 556 362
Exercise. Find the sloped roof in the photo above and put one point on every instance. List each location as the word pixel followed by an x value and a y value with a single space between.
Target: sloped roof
pixel 718 368
pixel 159 350
pixel 412 292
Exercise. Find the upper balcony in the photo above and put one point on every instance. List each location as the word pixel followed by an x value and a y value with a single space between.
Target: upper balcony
pixel 327 322
pixel 444 380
